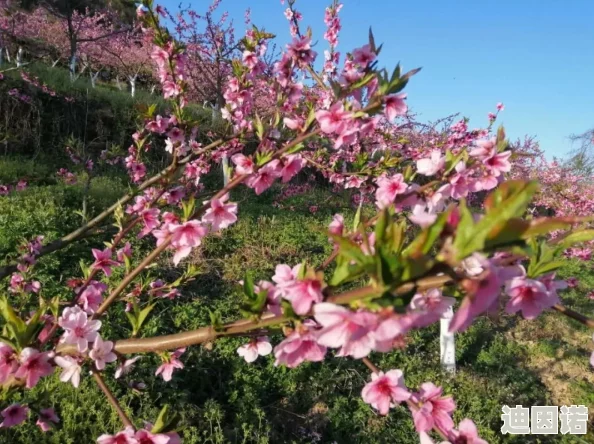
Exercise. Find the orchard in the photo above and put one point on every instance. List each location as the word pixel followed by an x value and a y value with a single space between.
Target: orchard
pixel 435 217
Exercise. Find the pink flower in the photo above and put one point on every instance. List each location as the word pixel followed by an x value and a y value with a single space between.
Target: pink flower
pixel 170 364
pixel 430 166
pixel 46 418
pixel 150 220
pixel 8 362
pixel 500 106
pixel 481 294
pixel 258 347
pixel 186 237
pixel 265 177
pixel 102 353
pixel 125 252
pixel 34 365
pixel 126 367
pixel 422 215
pixel 303 293
pixel 124 437
pixel 572 282
pixel 498 163
pixel 385 390
pixel 79 329
pixel 364 55
pixel 466 433
pixel 388 189
pixel 292 164
pixel 333 120
pixel 336 227
pixel 243 164
pixel 103 261
pixel 176 135
pixel 13 415
pixel 432 409
pixel 145 437
pixel 220 215
pixel 395 106
pixel 91 297
pixel 70 369
pixel 353 331
pixel 299 346
pixel 429 307
pixel 529 296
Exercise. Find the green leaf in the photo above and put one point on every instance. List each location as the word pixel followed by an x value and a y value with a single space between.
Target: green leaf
pixel 216 320
pixel 576 237
pixel 248 285
pixel 509 200
pixel 142 316
pixel 133 321
pixel 358 216
pixel 427 238
pixel 165 421
pixel 381 225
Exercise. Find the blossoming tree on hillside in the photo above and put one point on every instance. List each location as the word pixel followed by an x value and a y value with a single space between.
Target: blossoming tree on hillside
pixel 425 250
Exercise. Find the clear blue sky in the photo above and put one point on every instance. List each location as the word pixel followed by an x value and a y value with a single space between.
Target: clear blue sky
pixel 535 56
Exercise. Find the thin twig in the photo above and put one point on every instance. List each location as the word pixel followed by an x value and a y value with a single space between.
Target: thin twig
pixel 112 400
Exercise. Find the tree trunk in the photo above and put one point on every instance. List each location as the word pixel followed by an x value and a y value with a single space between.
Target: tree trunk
pixel 73 68
pixel 132 85
pixel 94 78
pixel 19 57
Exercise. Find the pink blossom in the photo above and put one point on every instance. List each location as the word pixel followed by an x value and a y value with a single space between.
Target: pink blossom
pixel 498 163
pixel 422 216
pixel 429 307
pixel 500 106
pixel 8 362
pixel 185 237
pixel 103 261
pixel 265 177
pixel 303 293
pixel 126 367
pixel 467 433
pixel 336 227
pixel 333 120
pixel 220 215
pixel 150 220
pixel 13 415
pixel 529 296
pixel 364 55
pixel 145 437
pixel 299 346
pixel 385 390
pixel 388 189
pixel 102 353
pixel 481 294
pixel 79 329
pixel 124 437
pixel 431 409
pixel 33 366
pixel 70 369
pixel 258 347
pixel 292 164
pixel 243 164
pixel 352 331
pixel 430 166
pixel 170 364
pixel 125 252
pixel 91 297
pixel 395 106
pixel 46 418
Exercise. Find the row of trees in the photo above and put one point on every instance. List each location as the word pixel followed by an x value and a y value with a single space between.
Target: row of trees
pixel 104 39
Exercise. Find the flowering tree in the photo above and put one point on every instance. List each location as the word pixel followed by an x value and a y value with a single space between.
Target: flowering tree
pixel 425 250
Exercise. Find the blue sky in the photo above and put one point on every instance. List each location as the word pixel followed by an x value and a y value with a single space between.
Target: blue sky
pixel 535 56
